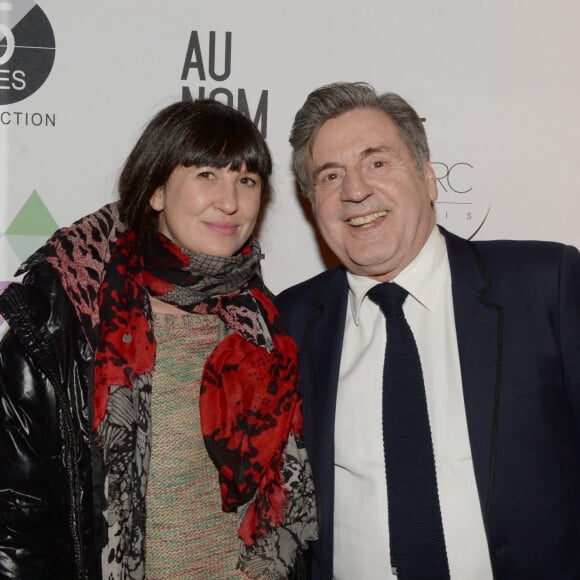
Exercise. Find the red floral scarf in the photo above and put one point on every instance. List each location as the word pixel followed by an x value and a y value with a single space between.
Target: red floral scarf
pixel 250 410
pixel 248 400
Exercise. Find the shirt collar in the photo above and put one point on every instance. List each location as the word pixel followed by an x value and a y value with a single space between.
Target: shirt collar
pixel 423 278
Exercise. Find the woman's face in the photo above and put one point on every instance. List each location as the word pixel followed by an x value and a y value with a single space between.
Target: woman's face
pixel 208 210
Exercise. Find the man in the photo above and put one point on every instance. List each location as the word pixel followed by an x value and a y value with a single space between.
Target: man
pixel 497 328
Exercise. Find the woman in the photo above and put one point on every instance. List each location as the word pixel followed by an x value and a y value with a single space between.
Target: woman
pixel 143 360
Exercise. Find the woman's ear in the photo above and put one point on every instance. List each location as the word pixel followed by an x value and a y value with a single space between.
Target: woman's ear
pixel 157 201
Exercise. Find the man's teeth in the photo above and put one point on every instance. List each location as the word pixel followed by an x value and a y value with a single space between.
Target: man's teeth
pixel 366 219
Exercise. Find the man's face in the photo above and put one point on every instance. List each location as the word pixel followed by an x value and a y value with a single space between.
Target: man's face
pixel 372 205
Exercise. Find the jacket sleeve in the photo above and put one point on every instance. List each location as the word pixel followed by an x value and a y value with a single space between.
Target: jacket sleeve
pixel 569 327
pixel 29 455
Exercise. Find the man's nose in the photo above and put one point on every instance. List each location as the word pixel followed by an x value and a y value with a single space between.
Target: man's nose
pixel 355 187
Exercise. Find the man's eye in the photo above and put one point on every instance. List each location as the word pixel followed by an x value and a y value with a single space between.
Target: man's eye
pixel 378 164
pixel 330 177
pixel 205 174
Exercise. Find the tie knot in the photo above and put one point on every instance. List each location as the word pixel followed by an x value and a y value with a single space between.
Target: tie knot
pixel 389 297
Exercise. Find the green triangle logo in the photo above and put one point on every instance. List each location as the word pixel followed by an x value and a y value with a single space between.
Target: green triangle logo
pixel 24 246
pixel 33 219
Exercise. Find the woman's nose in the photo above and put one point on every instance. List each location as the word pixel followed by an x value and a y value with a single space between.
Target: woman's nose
pixel 228 199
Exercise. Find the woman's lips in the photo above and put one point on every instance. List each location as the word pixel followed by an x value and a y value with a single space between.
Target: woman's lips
pixel 222 228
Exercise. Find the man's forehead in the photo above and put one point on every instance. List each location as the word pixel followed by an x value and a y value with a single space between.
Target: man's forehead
pixel 357 145
pixel 356 124
pixel 361 153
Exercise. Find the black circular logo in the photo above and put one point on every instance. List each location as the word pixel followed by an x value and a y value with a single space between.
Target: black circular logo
pixel 27 50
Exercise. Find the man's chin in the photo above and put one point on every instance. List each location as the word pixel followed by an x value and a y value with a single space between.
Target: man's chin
pixel 383 270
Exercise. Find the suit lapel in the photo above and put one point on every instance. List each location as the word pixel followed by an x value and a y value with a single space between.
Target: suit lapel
pixel 479 328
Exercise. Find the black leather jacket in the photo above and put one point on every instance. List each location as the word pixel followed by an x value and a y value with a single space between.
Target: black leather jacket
pixel 50 525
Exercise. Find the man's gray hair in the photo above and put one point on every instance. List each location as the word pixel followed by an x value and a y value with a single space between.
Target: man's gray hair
pixel 332 100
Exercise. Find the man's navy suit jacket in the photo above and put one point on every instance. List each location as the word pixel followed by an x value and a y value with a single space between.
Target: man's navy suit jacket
pixel 517 313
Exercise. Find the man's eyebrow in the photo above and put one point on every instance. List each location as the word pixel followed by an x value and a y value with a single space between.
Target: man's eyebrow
pixel 378 149
pixel 362 155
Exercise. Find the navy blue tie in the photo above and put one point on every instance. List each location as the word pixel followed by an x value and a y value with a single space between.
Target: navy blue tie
pixel 416 536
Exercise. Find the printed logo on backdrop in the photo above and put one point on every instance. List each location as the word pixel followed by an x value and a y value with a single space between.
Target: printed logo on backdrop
pixel 27 50
pixel 27 231
pixel 210 60
pixel 460 208
pixel 30 227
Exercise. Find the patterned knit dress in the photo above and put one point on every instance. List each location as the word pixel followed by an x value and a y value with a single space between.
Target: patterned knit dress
pixel 188 535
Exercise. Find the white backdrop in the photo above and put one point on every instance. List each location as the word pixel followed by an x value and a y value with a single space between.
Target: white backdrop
pixel 497 82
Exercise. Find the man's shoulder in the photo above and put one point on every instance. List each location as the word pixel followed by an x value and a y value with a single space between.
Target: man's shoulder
pixel 313 289
pixel 519 245
pixel 524 252
pixel 512 252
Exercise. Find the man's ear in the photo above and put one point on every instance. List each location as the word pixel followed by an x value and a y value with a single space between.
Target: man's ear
pixel 431 180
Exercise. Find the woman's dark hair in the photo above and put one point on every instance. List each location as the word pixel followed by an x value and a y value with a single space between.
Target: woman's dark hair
pixel 187 133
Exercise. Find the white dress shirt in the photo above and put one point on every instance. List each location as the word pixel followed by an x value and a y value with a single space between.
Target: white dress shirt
pixel 361 534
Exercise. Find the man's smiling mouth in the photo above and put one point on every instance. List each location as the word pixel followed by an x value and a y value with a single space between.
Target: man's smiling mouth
pixel 366 219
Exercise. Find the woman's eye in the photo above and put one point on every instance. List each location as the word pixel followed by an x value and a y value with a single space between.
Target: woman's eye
pixel 249 181
pixel 205 174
